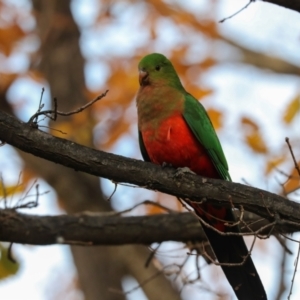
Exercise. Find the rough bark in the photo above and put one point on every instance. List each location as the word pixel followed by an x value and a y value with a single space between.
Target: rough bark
pixel 121 169
pixel 88 229
pixel 290 4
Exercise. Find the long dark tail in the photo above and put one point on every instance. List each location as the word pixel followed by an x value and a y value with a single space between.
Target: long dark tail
pixel 231 249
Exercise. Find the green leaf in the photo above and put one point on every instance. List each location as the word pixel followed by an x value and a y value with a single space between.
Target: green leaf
pixel 7 266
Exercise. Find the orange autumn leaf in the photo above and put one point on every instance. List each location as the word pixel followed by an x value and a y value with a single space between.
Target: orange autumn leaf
pixel 9 190
pixel 293 183
pixel 201 93
pixel 183 17
pixel 27 175
pixel 155 210
pixel 115 130
pixel 36 76
pixel 78 128
pixel 274 163
pixel 6 79
pixel 292 110
pixel 9 36
pixel 256 142
pixel 166 201
pixel 250 123
pixel 253 136
pixel 20 186
pixel 198 92
pixel 216 118
pixel 62 129
pixel 208 63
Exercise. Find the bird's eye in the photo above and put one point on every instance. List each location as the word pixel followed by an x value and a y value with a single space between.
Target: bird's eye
pixel 157 68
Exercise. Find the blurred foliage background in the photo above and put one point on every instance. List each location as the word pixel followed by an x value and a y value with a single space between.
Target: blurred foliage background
pixel 245 70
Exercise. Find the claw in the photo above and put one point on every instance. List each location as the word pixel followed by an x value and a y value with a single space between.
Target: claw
pixel 166 165
pixel 181 171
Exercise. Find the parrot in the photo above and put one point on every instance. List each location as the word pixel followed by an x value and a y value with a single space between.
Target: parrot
pixel 174 129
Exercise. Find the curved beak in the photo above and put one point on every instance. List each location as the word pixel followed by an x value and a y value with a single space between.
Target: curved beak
pixel 143 75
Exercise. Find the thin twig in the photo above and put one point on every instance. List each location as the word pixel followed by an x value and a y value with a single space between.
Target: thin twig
pixel 30 204
pixel 144 282
pixel 147 202
pixel 115 189
pixel 298 252
pixel 52 129
pixel 9 254
pixel 19 183
pixel 295 271
pixel 55 112
pixel 281 273
pixel 289 238
pixel 3 190
pixel 282 243
pixel 240 10
pixel 206 255
pixel 25 194
pixel 62 241
pixel 41 105
pixel 293 156
pixel 152 254
pixel 182 265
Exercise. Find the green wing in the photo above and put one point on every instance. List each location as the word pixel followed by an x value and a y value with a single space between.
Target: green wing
pixel 143 148
pixel 196 117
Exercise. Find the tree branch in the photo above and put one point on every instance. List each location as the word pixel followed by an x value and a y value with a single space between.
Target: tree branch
pixel 291 4
pixel 261 60
pixel 97 229
pixel 147 175
pixel 108 229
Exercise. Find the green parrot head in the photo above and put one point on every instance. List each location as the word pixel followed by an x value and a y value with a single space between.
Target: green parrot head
pixel 156 69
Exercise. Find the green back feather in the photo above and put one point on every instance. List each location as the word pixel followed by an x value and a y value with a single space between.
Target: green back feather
pixel 196 117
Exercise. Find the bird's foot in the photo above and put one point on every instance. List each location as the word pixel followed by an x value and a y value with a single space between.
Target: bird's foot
pixel 181 171
pixel 166 165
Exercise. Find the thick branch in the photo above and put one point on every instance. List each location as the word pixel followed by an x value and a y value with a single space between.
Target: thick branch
pixel 97 229
pixel 261 60
pixel 107 229
pixel 291 4
pixel 146 175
